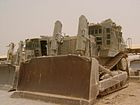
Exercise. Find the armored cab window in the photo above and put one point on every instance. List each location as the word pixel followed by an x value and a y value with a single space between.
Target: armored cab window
pixel 99 40
pixel 108 42
pixel 28 45
pixel 96 31
pixel 92 32
pixel 100 31
pixel 108 36
pixel 108 39
pixel 108 30
pixel 99 43
pixel 35 43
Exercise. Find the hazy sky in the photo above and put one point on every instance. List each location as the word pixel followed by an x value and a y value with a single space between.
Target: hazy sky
pixel 20 19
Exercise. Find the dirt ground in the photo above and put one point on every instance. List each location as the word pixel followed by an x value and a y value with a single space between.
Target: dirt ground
pixel 127 96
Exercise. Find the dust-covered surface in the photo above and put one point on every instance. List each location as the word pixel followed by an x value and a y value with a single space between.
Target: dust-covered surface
pixel 127 96
pixel 6 100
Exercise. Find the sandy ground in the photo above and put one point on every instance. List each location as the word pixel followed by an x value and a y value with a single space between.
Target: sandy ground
pixel 127 96
pixel 6 100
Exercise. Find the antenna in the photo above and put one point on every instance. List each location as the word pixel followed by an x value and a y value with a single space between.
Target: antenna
pixel 129 42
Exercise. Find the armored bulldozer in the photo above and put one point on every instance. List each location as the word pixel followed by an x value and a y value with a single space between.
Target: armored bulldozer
pixel 74 70
pixel 7 69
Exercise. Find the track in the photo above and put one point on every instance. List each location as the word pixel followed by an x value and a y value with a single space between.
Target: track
pixel 113 61
pixel 110 86
pixel 126 96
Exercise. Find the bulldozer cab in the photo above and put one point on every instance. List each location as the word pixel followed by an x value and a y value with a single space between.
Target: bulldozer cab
pixel 108 38
pixel 36 47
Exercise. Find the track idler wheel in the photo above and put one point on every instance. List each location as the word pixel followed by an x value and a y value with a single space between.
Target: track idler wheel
pixel 123 65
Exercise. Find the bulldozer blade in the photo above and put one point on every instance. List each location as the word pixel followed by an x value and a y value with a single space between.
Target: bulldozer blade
pixel 59 79
pixel 7 74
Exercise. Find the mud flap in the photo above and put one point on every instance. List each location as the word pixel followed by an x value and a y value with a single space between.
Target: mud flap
pixel 61 79
pixel 7 74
